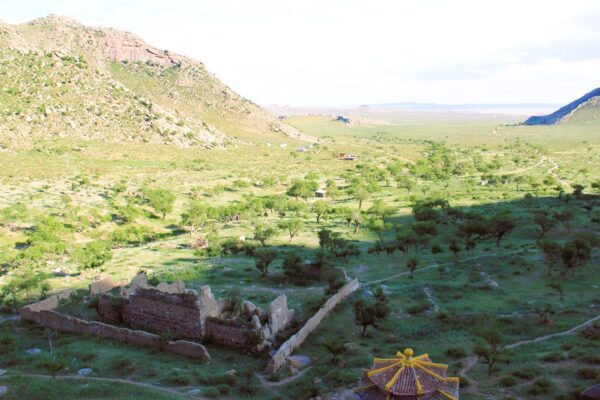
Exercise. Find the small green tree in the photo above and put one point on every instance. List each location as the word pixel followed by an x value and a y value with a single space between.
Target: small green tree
pixel 93 254
pixel 368 313
pixel 161 200
pixel 292 226
pixel 565 217
pixel 293 268
pixel 195 216
pixel 263 258
pixel 558 288
pixel 544 222
pixel 552 253
pixel 264 233
pixel 412 264
pixel 490 352
pixel 321 209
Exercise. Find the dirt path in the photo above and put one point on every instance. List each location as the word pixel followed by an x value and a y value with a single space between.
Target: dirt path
pixel 553 335
pixel 270 385
pixel 472 361
pixel 552 172
pixel 112 380
pixel 542 160
pixel 9 318
pixel 432 266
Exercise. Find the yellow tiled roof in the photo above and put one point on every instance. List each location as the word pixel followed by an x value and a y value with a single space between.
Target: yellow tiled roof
pixel 406 377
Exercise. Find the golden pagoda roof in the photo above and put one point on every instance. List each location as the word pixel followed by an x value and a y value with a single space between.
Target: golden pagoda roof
pixel 405 377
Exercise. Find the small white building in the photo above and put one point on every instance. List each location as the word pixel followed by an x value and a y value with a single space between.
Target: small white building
pixel 321 193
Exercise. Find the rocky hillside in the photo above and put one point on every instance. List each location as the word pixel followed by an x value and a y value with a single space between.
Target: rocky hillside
pixel 59 78
pixel 583 110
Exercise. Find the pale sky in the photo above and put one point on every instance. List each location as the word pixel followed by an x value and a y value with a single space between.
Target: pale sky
pixel 350 52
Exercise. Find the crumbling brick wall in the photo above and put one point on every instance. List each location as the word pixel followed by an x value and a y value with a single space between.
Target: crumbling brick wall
pixel 156 311
pixel 44 315
pixel 230 334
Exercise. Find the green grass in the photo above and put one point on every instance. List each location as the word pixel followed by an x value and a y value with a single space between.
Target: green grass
pixel 42 178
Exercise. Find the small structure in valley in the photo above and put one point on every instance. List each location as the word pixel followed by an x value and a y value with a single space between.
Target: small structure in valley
pixel 321 193
pixel 405 377
pixel 347 157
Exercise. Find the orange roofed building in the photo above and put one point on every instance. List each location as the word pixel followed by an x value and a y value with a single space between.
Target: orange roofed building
pixel 405 377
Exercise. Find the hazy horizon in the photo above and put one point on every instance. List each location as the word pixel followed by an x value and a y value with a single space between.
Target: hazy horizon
pixel 353 53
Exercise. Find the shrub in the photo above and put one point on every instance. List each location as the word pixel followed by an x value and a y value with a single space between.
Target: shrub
pixel 507 381
pixel 541 386
pixel 588 374
pixel 456 352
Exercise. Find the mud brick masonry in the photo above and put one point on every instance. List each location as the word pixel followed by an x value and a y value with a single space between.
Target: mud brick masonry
pixel 177 319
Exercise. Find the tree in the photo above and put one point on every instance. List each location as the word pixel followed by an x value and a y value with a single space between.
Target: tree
pixel 501 225
pixel 292 226
pixel 491 352
pixel 558 288
pixel 565 217
pixel 596 185
pixel 161 200
pixel 303 188
pixel 93 254
pixel 455 248
pixel 381 210
pixel 362 189
pixel 264 232
pixel 378 227
pixel 574 253
pixel 369 313
pixel 544 222
pixel 578 190
pixel 552 253
pixel 519 180
pixel 195 216
pixel 357 220
pixel 264 257
pixel 333 192
pixel 321 209
pixel 335 348
pixel 293 268
pixel 404 182
pixel 412 265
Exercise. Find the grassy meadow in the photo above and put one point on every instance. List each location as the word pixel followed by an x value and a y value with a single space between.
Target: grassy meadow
pixel 463 200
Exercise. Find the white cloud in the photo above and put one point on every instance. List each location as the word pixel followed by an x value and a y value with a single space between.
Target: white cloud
pixel 352 52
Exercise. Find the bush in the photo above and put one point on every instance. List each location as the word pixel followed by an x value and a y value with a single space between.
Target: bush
pixel 554 357
pixel 456 352
pixel 541 386
pixel 526 373
pixel 507 381
pixel 588 374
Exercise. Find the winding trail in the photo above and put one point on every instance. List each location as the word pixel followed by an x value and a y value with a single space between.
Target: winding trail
pixel 149 386
pixel 10 318
pixel 269 385
pixel 552 172
pixel 473 360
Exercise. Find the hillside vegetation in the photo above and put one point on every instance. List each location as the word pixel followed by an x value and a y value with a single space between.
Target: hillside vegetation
pixel 59 78
pixel 583 110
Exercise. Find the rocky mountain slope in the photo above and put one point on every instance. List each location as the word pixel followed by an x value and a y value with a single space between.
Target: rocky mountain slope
pixel 59 78
pixel 583 110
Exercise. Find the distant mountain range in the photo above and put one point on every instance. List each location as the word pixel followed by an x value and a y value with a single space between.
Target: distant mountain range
pixel 59 78
pixel 509 108
pixel 586 109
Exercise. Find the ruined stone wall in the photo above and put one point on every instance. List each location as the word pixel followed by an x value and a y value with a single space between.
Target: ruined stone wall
pixel 232 334
pixel 284 351
pixel 160 312
pixel 64 323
